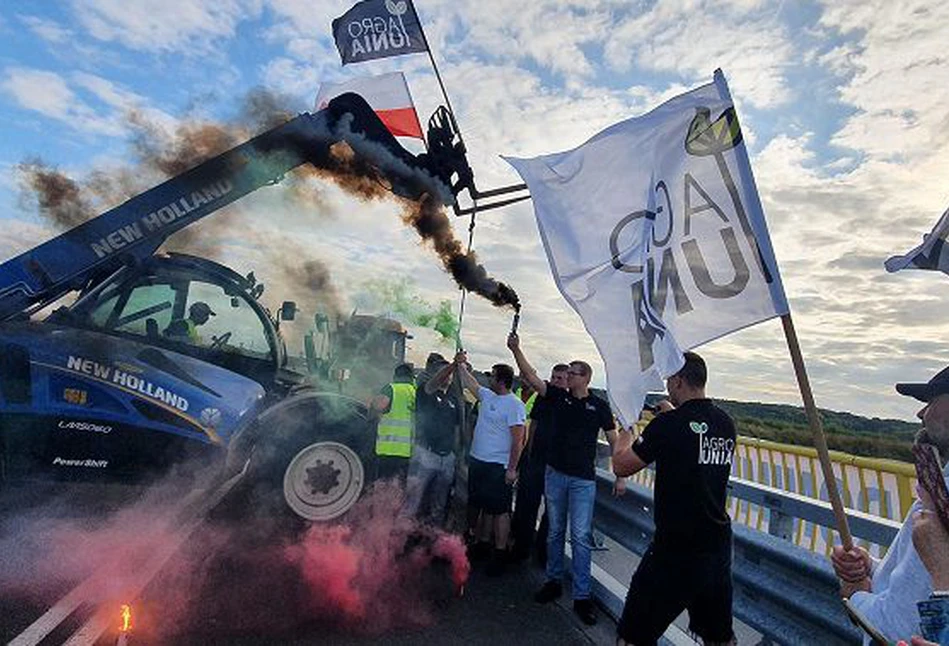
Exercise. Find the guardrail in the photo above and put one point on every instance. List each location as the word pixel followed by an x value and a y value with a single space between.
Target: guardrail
pixel 871 486
pixel 787 593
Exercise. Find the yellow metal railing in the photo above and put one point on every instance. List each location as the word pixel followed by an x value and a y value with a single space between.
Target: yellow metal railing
pixel 871 485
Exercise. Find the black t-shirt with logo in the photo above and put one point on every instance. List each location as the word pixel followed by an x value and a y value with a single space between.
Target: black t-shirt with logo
pixel 693 447
pixel 574 426
pixel 436 416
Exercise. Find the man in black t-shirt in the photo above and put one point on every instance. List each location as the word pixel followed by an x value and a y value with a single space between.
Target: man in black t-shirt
pixel 688 564
pixel 530 484
pixel 432 467
pixel 570 478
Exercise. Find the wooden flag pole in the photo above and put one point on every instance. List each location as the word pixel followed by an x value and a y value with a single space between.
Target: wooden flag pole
pixel 817 430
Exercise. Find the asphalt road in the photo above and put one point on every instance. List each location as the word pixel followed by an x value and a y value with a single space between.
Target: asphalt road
pixel 68 561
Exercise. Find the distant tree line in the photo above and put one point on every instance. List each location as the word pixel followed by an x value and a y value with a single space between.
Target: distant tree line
pixel 869 437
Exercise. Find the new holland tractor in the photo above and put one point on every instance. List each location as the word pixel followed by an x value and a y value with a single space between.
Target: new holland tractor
pixel 168 359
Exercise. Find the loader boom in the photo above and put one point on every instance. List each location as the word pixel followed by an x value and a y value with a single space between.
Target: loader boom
pixel 134 230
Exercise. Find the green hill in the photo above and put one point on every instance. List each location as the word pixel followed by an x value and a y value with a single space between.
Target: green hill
pixel 871 437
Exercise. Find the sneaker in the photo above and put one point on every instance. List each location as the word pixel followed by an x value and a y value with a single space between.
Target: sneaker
pixel 599 543
pixel 584 610
pixel 550 591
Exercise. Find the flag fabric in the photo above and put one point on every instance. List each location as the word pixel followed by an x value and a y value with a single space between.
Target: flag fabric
pixel 932 254
pixel 378 29
pixel 656 237
pixel 387 94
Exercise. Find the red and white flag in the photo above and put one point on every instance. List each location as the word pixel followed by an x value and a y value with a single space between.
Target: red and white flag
pixel 387 94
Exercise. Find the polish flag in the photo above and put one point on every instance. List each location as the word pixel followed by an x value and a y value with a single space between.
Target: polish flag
pixel 388 94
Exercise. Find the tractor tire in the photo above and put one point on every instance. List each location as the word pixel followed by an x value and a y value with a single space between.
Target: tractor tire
pixel 310 461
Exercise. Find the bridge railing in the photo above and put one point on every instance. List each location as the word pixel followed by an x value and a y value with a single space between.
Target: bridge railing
pixel 873 486
pixel 786 592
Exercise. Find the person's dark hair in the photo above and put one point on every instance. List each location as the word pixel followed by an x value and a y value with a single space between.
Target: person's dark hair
pixel 504 374
pixel 584 366
pixel 435 361
pixel 694 372
pixel 560 367
pixel 404 371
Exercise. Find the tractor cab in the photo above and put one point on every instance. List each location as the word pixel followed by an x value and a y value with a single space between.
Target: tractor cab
pixel 191 306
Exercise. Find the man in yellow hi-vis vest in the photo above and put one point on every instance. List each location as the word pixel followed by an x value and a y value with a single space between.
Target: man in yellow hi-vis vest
pixel 395 408
pixel 187 329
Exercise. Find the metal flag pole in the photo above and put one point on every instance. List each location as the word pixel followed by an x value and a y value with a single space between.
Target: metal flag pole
pixel 461 139
pixel 438 75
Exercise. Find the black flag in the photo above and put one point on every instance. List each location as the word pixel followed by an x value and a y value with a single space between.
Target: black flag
pixel 378 29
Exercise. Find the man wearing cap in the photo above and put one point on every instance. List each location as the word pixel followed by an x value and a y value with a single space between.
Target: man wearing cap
pixel 886 591
pixel 432 466
pixel 187 329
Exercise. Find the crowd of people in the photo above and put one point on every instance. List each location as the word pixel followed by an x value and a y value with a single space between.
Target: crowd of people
pixel 537 439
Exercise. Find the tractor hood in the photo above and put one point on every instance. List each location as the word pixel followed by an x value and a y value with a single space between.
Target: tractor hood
pixel 85 376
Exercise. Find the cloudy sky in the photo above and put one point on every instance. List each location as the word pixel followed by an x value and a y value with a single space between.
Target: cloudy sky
pixel 844 105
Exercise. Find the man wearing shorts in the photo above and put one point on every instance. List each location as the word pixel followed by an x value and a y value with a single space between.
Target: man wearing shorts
pixel 688 564
pixel 495 450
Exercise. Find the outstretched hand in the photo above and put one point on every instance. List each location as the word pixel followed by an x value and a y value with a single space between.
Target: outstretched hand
pixel 513 341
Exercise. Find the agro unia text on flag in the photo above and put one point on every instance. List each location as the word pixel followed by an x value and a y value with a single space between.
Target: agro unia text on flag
pixel 656 237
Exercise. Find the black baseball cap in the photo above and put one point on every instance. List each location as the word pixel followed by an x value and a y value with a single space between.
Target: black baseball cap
pixel 938 385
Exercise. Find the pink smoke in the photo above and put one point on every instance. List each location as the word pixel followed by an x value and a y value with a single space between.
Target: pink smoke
pixel 372 572
pixel 377 571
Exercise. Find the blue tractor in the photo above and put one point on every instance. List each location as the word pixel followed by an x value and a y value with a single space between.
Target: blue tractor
pixel 164 360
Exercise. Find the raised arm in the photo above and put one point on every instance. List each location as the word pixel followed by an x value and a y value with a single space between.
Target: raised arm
pixel 467 379
pixel 625 460
pixel 439 379
pixel 528 373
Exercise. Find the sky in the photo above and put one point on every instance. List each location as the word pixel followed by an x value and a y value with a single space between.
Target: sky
pixel 844 107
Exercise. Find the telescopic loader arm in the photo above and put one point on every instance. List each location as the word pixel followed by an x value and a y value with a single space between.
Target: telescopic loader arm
pixel 134 230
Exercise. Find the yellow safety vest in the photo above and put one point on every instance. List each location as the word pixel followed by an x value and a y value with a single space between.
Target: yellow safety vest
pixel 394 436
pixel 192 331
pixel 529 404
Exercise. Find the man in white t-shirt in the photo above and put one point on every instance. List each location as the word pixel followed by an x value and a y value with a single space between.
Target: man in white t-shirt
pixel 495 450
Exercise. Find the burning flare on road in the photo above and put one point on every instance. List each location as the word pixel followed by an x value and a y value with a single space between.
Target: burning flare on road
pixel 126 618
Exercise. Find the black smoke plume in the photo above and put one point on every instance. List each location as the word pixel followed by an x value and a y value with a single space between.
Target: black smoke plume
pixel 66 203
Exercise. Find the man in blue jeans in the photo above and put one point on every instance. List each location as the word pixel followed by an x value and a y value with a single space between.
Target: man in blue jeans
pixel 570 481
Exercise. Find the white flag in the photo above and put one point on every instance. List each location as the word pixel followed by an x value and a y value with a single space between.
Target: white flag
pixel 932 254
pixel 656 237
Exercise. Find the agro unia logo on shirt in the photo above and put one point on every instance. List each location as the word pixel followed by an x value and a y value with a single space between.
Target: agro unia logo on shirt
pixel 380 33
pixel 712 450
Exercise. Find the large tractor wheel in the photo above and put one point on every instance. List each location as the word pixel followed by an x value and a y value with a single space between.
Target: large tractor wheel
pixel 309 460
pixel 323 481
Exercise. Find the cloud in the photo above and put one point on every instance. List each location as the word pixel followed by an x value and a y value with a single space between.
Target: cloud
pixel 49 94
pixel 690 40
pixel 87 103
pixel 191 27
pixel 49 30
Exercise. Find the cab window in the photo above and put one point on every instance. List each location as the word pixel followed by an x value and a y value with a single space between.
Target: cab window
pixel 230 324
pixel 147 306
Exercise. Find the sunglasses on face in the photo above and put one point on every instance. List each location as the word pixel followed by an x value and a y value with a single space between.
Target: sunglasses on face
pixel 574 373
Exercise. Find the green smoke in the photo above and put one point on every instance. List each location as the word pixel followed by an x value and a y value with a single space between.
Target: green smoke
pixel 397 298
